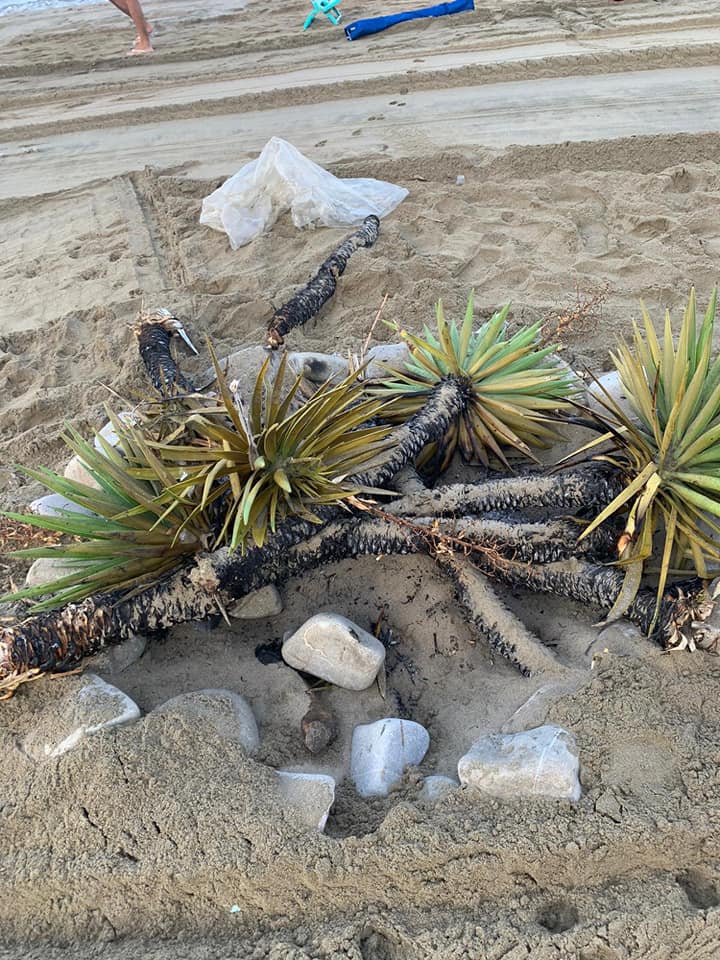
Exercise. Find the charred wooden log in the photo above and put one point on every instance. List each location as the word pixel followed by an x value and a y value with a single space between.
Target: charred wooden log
pixel 59 640
pixel 571 492
pixel 447 400
pixel 506 633
pixel 308 301
pixel 683 604
pixel 154 331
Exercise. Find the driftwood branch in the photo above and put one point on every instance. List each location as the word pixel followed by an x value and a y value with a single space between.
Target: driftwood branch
pixel 308 301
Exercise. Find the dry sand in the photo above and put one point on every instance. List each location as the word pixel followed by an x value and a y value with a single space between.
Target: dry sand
pixel 589 148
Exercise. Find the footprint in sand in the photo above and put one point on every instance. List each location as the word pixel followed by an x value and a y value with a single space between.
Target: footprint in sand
pixel 593 236
pixel 650 229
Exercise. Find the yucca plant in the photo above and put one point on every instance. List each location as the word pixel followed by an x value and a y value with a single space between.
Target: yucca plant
pixel 667 450
pixel 274 458
pixel 130 538
pixel 511 384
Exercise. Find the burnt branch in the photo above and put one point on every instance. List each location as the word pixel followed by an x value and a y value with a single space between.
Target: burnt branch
pixel 446 402
pixel 599 586
pixel 506 634
pixel 571 492
pixel 154 331
pixel 308 301
pixel 60 639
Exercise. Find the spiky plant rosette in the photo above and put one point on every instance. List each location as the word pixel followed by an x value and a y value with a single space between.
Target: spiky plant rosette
pixel 667 449
pixel 126 537
pixel 511 383
pixel 276 457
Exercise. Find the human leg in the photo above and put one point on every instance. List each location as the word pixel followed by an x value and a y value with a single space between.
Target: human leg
pixel 143 28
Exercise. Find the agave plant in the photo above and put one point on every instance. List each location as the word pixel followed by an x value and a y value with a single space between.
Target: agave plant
pixel 667 449
pixel 129 538
pixel 511 384
pixel 274 458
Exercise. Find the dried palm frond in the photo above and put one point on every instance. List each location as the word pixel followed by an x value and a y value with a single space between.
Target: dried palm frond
pixel 510 381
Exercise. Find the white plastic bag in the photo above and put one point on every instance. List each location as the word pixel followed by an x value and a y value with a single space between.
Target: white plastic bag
pixel 283 179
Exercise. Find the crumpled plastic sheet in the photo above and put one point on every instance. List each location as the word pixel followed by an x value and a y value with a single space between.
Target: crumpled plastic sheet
pixel 283 179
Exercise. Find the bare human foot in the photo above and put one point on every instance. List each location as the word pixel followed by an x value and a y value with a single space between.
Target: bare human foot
pixel 149 28
pixel 139 48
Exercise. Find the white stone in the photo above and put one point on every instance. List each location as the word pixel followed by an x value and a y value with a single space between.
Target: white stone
pixel 435 787
pixel 380 752
pixel 46 569
pixel 310 794
pixel 77 471
pixel 335 649
pixel 108 431
pixel 385 355
pixel 258 605
pixel 319 367
pixel 91 706
pixel 227 711
pixel 542 762
pixel 51 505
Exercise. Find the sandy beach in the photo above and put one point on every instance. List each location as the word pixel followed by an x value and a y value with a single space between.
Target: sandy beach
pixel 588 137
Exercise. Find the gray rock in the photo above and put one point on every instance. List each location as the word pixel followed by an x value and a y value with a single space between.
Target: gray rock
pixel 46 569
pixel 76 470
pixel 258 605
pixel 335 649
pixel 435 787
pixel 91 705
pixel 243 365
pixel 542 762
pixel 227 711
pixel 612 383
pixel 380 752
pixel 621 639
pixel 534 710
pixel 608 805
pixel 385 355
pixel 310 794
pixel 319 367
pixel 408 481
pixel 117 658
pixel 51 505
